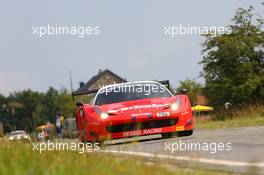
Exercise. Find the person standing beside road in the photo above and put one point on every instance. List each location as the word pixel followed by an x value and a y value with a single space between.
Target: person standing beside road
pixel 58 124
pixel 48 129
pixel 62 120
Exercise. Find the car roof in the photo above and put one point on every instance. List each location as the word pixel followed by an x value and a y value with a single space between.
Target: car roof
pixel 127 83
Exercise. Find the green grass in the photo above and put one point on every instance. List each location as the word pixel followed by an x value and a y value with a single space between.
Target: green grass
pixel 19 158
pixel 230 123
pixel 250 116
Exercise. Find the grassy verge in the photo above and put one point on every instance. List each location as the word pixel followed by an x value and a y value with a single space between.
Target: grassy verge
pixel 230 123
pixel 19 158
pixel 252 116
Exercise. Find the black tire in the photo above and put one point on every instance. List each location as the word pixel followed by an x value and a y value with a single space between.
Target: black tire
pixel 185 133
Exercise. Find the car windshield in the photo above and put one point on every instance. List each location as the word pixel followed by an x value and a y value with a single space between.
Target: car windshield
pixel 128 92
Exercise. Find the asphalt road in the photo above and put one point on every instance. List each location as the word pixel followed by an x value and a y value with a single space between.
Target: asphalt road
pixel 235 149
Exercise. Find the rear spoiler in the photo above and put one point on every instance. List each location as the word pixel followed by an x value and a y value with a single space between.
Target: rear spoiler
pixel 85 92
pixel 164 82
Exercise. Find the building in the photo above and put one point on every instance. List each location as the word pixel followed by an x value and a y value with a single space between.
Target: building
pixel 103 78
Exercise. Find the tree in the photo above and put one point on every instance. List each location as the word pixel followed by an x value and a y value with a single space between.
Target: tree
pixel 193 89
pixel 49 104
pixel 3 107
pixel 22 118
pixel 28 109
pixel 233 64
pixel 64 103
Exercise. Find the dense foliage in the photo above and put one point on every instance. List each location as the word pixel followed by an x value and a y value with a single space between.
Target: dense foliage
pixel 193 89
pixel 233 64
pixel 28 109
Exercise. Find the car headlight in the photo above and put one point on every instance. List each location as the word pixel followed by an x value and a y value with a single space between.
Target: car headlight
pixel 104 115
pixel 174 106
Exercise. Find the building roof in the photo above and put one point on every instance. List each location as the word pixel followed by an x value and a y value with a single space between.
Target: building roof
pixel 96 77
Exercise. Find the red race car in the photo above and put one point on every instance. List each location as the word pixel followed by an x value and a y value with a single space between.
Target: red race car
pixel 134 109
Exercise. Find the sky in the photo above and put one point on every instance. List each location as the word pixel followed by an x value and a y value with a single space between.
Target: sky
pixel 131 42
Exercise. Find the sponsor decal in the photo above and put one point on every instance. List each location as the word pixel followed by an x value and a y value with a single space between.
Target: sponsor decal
pixel 141 114
pixel 185 112
pixel 95 123
pixel 132 133
pixel 142 132
pixel 179 128
pixel 134 116
pixel 152 131
pixel 157 106
pixel 163 114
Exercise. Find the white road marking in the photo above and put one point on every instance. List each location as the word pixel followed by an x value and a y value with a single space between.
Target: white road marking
pixel 186 158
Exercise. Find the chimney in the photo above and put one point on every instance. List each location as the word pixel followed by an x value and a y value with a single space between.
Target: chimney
pixel 81 84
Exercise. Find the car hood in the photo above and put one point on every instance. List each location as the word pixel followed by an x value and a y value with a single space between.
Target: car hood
pixel 153 104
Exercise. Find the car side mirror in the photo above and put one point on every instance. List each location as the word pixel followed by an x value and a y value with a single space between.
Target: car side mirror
pixel 182 92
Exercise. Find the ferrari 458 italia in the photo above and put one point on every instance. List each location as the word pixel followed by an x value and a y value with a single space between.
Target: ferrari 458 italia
pixel 134 109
